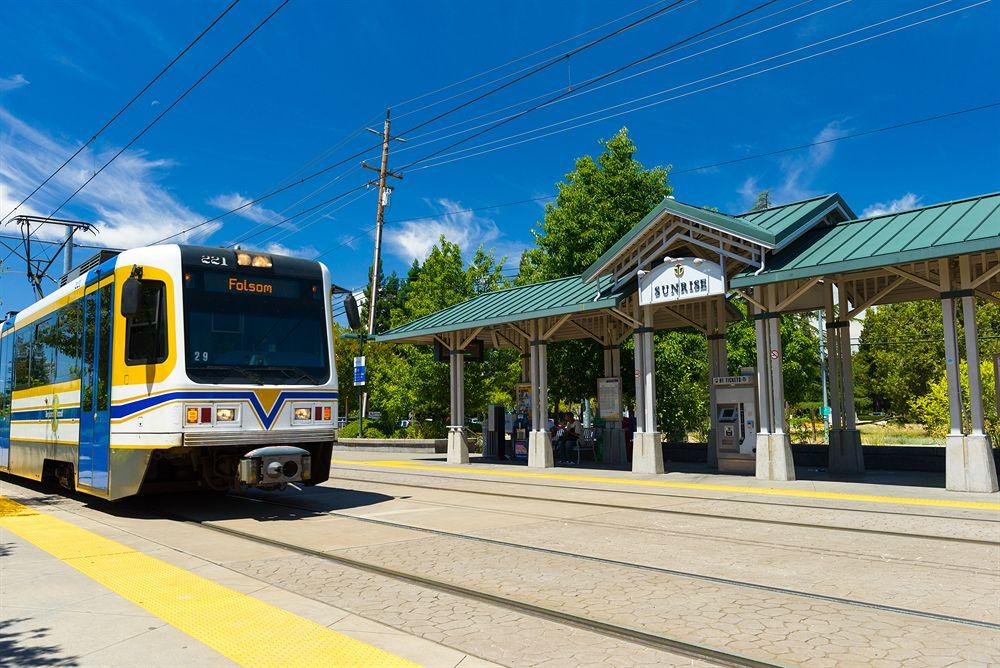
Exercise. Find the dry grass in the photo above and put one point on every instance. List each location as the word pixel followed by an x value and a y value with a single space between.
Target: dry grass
pixel 889 433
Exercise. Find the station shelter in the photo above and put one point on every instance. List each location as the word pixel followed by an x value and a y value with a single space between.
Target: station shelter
pixel 681 266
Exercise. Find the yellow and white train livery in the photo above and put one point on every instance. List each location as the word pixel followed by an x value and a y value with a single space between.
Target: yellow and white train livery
pixel 173 367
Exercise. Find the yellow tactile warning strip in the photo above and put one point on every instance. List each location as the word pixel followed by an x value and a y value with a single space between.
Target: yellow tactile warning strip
pixel 240 627
pixel 733 489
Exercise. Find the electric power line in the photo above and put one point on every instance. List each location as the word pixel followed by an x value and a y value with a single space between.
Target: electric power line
pixel 121 111
pixel 665 11
pixel 361 153
pixel 594 80
pixel 172 105
pixel 472 151
pixel 637 74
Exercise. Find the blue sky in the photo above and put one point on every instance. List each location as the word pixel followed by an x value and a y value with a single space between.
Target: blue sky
pixel 321 70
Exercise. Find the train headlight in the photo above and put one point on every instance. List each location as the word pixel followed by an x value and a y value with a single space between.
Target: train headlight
pixel 261 261
pixel 243 259
pixel 192 416
pixel 225 414
pixel 303 414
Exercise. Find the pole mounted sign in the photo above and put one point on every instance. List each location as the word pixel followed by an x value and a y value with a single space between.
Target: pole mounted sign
pixel 681 279
pixel 359 370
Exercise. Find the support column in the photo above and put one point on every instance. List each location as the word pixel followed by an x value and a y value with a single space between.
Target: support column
pixel 539 440
pixel 647 451
pixel 774 448
pixel 718 365
pixel 458 445
pixel 846 455
pixel 969 463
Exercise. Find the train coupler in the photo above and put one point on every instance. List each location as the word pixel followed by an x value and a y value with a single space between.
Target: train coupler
pixel 274 467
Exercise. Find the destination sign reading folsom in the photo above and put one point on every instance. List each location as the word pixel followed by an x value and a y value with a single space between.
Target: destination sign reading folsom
pixel 247 285
pixel 275 287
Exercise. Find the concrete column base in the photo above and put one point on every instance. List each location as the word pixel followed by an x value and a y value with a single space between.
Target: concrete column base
pixel 647 452
pixel 774 457
pixel 540 450
pixel 969 464
pixel 613 450
pixel 713 450
pixel 846 455
pixel 458 447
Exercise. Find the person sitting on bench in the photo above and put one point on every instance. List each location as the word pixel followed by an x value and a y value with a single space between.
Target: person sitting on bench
pixel 567 439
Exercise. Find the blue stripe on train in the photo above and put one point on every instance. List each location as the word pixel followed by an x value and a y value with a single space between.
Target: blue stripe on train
pixel 46 414
pixel 267 418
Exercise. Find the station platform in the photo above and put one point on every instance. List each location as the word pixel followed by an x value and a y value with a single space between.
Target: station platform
pixel 87 587
pixel 902 488
pixel 402 560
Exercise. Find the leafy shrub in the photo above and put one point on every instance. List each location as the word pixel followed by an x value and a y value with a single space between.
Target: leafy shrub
pixel 372 430
pixel 931 409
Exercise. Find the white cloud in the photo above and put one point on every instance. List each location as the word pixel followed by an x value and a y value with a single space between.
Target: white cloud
pixel 907 201
pixel 305 252
pixel 414 239
pixel 254 212
pixel 12 82
pixel 127 202
pixel 798 172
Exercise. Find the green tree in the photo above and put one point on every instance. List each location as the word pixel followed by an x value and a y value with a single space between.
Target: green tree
pixel 931 409
pixel 763 200
pixel 597 203
pixel 406 380
pixel 901 351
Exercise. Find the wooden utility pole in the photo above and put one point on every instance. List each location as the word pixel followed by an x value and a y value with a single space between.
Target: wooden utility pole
pixel 383 200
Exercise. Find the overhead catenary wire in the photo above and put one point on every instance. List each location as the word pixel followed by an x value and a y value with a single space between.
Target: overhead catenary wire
pixel 122 110
pixel 474 152
pixel 524 57
pixel 173 104
pixel 755 156
pixel 422 124
pixel 438 136
pixel 674 6
pixel 594 80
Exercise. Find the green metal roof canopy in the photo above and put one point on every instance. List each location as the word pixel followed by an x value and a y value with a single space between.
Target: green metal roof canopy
pixel 788 221
pixel 538 300
pixel 964 226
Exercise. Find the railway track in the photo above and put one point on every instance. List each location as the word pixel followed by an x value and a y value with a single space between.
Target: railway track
pixel 634 635
pixel 689 513
pixel 624 564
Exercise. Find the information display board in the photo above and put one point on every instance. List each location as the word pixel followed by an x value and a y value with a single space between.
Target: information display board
pixel 609 398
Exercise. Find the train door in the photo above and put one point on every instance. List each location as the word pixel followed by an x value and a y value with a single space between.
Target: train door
pixel 95 390
pixel 6 389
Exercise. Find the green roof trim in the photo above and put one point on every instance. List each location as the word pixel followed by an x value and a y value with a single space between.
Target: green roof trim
pixel 526 302
pixel 787 221
pixel 969 225
pixel 714 219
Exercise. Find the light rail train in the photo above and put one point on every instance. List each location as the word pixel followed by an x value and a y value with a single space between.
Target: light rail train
pixel 172 367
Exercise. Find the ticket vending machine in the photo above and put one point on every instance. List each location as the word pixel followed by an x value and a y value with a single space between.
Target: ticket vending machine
pixel 736 421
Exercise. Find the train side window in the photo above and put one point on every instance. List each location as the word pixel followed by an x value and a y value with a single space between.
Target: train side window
pixel 146 333
pixel 22 358
pixel 68 341
pixel 103 398
pixel 42 357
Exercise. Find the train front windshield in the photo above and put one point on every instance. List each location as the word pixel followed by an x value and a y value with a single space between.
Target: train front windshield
pixel 244 327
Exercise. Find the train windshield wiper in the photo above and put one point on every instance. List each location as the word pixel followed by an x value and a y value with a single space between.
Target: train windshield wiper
pixel 246 373
pixel 293 372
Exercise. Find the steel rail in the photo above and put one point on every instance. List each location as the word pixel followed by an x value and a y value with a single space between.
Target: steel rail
pixel 630 634
pixel 343 467
pixel 688 513
pixel 655 569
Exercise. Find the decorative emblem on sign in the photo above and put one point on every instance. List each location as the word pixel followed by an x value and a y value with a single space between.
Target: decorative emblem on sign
pixel 678 270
